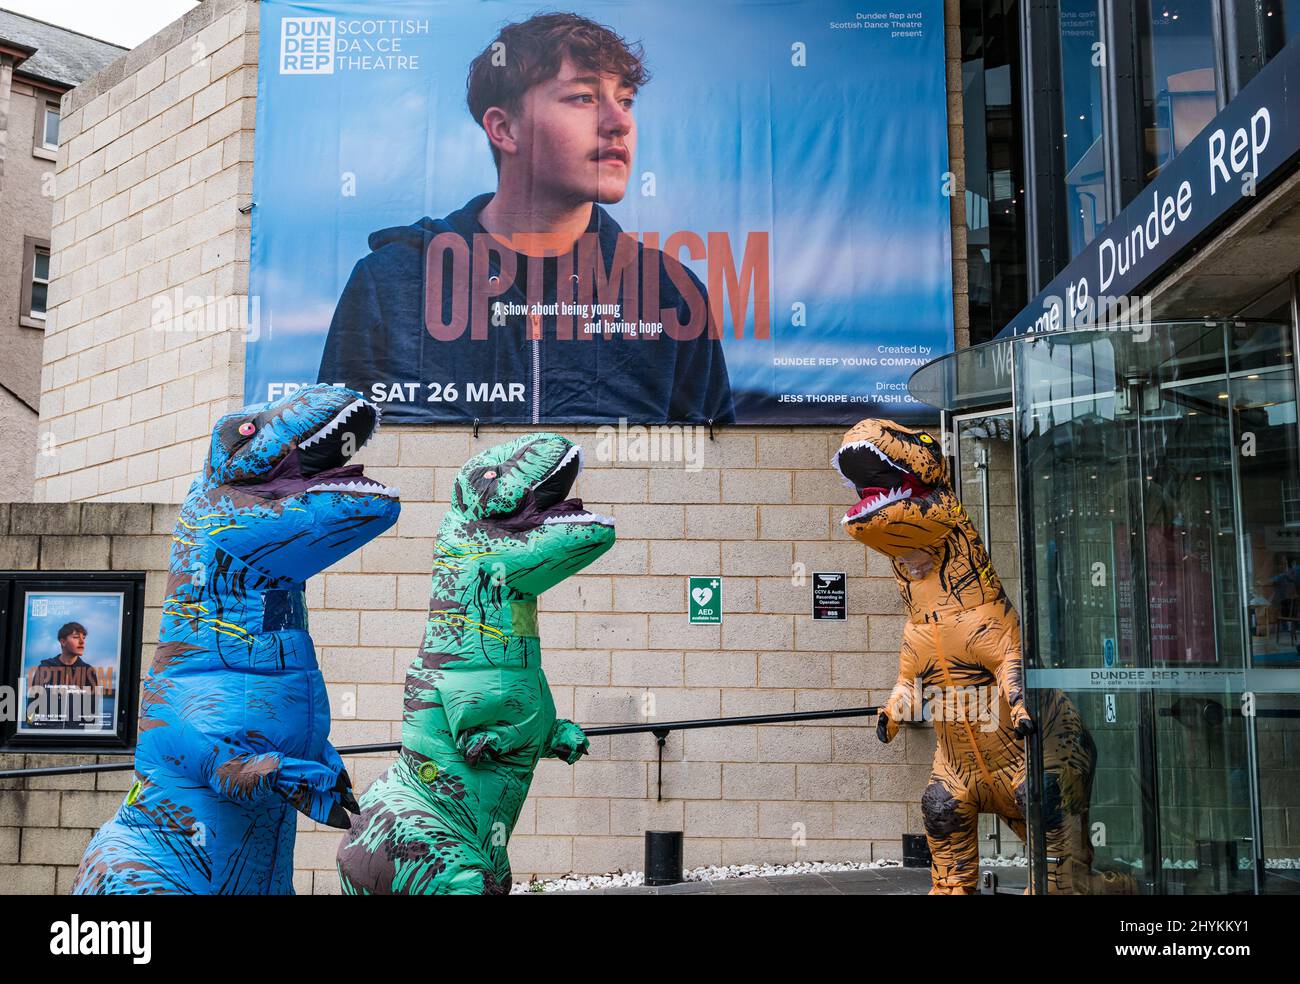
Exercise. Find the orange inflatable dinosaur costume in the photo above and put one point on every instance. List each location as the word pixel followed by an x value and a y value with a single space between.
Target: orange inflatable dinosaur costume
pixel 962 644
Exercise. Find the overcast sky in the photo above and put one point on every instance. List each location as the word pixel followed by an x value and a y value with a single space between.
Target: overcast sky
pixel 124 22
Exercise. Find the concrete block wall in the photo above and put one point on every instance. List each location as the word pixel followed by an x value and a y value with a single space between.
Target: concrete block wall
pixel 763 513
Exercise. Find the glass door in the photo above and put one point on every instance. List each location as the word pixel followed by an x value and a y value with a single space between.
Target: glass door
pixel 1090 808
pixel 1191 530
pixel 986 485
pixel 1162 567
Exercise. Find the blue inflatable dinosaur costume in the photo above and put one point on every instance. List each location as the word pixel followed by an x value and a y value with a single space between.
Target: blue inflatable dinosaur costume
pixel 234 716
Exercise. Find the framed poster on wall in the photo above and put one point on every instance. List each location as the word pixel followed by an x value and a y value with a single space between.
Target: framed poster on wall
pixel 71 660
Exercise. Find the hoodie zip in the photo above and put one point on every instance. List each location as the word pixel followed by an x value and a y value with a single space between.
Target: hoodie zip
pixel 536 320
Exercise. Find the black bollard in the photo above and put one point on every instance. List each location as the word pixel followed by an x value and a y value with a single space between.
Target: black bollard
pixel 916 851
pixel 663 857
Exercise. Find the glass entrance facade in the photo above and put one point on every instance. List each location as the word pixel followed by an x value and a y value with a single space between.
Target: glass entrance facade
pixel 1156 471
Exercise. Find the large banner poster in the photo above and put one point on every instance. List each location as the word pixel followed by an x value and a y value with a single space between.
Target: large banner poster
pixel 658 211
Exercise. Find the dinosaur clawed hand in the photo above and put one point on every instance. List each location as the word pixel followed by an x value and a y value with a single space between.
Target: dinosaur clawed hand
pixel 322 791
pixel 1024 724
pixel 886 728
pixel 568 741
pixel 477 745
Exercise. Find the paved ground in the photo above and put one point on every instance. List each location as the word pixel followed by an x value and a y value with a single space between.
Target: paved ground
pixel 873 881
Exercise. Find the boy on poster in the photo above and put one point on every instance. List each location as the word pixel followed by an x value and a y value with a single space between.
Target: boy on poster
pixel 529 303
pixel 66 692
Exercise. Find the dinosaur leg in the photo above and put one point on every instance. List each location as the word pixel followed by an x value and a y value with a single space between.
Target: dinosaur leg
pixel 1069 842
pixel 405 842
pixel 1069 758
pixel 951 828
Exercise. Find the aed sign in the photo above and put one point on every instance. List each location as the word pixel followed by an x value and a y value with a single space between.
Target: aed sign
pixel 704 600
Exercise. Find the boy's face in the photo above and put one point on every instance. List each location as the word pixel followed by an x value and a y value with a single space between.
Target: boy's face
pixel 74 644
pixel 577 135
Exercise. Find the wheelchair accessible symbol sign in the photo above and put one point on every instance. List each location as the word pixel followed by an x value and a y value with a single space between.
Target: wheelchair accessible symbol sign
pixel 704 600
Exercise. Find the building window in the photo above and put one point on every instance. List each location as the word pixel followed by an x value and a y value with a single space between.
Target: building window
pixel 1261 30
pixel 36 282
pixel 1290 502
pixel 51 128
pixel 45 133
pixel 1180 93
pixel 1289 10
pixel 1081 114
pixel 995 227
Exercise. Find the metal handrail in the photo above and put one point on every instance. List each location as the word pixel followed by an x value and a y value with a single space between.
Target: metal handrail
pixel 660 730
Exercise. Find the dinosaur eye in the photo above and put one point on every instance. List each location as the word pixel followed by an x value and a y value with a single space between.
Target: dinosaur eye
pixel 489 474
pixel 927 439
pixel 247 428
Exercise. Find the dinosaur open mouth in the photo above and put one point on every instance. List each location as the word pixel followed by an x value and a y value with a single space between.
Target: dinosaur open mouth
pixel 549 495
pixel 552 489
pixel 545 504
pixel 342 437
pixel 319 462
pixel 323 457
pixel 876 478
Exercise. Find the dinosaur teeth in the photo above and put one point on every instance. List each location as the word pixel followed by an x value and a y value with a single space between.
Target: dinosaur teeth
pixel 575 451
pixel 835 461
pixel 863 509
pixel 835 458
pixel 379 416
pixel 580 518
pixel 361 486
pixel 334 424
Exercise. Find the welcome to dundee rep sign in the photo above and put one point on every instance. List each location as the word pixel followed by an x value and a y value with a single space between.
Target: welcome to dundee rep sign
pixel 660 212
pixel 1222 168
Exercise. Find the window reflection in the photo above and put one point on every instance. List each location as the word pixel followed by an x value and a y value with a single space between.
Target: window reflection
pixel 1179 93
pixel 1081 112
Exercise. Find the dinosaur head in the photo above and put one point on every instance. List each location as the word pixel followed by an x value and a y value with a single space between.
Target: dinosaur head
pixel 278 473
pixel 294 444
pixel 901 478
pixel 513 498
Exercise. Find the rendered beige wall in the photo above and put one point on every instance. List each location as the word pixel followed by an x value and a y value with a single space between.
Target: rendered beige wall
pixel 26 204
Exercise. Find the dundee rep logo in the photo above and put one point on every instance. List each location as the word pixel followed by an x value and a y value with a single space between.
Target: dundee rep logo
pixel 307 46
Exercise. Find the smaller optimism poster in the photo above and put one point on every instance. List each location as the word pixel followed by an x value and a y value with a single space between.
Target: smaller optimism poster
pixel 71 662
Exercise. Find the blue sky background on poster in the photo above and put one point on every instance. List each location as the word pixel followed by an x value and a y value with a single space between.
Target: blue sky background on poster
pixel 101 614
pixel 842 161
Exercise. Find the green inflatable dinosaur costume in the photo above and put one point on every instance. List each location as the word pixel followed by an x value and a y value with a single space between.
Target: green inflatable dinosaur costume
pixel 479 713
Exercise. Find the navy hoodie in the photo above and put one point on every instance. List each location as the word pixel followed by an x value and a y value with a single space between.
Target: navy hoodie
pixel 378 338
